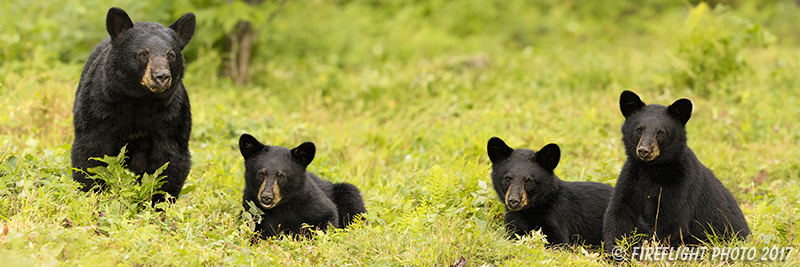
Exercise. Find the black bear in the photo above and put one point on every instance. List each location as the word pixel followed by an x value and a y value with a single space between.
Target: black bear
pixel 131 93
pixel 535 198
pixel 277 182
pixel 663 190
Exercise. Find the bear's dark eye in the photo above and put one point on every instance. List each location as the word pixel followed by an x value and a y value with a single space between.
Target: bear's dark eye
pixel 281 176
pixel 660 133
pixel 260 175
pixel 143 55
pixel 171 56
pixel 638 130
pixel 507 179
pixel 529 182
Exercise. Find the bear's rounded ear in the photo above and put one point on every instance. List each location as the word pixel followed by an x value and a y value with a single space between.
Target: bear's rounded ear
pixel 184 27
pixel 681 109
pixel 630 103
pixel 249 146
pixel 305 153
pixel 498 150
pixel 117 21
pixel 548 157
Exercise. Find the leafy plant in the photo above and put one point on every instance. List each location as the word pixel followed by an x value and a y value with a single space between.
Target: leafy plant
pixel 709 56
pixel 129 193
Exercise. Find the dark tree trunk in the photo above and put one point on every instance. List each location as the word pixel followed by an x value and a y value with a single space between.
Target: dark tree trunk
pixel 239 49
pixel 240 46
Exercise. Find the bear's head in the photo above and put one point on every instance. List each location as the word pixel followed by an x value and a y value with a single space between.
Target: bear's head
pixel 654 133
pixel 523 178
pixel 273 173
pixel 147 54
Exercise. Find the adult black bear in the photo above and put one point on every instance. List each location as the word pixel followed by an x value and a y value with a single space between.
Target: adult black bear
pixel 276 181
pixel 131 93
pixel 663 190
pixel 534 197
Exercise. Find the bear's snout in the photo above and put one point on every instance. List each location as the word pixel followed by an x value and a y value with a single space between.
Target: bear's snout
pixel 157 76
pixel 645 153
pixel 514 204
pixel 162 78
pixel 269 194
pixel 266 200
pixel 647 149
pixel 516 198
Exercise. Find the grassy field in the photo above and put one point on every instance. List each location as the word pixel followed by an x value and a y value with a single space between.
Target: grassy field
pixel 400 99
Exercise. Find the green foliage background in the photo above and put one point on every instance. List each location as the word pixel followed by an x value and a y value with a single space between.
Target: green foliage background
pixel 400 98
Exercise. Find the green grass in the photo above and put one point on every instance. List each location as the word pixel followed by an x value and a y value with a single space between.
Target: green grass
pixel 400 100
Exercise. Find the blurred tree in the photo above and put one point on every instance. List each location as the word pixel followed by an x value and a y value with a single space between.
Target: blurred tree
pixel 239 44
pixel 230 31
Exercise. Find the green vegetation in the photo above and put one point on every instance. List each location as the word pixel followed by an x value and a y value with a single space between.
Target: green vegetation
pixel 400 98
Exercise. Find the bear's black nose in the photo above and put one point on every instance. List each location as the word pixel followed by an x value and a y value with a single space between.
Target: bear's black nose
pixel 266 199
pixel 513 203
pixel 643 151
pixel 162 77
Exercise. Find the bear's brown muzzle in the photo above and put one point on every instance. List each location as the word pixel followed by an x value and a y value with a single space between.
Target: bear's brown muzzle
pixel 157 76
pixel 516 198
pixel 647 149
pixel 269 194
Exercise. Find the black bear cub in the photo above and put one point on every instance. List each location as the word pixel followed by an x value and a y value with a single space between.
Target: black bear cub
pixel 535 198
pixel 663 190
pixel 277 182
pixel 131 93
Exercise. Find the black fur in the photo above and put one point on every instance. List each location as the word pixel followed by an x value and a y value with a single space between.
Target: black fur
pixel 566 212
pixel 662 169
pixel 113 107
pixel 301 197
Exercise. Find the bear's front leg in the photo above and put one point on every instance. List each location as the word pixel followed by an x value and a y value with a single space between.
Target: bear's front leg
pixel 556 234
pixel 516 224
pixel 672 225
pixel 176 173
pixel 618 223
pixel 81 153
